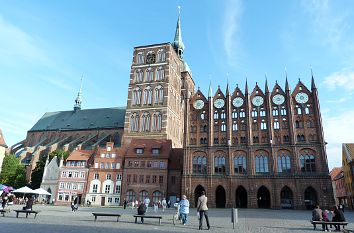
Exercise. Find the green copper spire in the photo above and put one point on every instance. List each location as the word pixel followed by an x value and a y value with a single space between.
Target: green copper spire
pixel 210 92
pixel 78 99
pixel 177 43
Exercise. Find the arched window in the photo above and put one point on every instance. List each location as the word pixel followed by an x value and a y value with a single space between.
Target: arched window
pixel 298 110
pixel 149 74
pixel 216 115
pixel 130 195
pixel 138 76
pixel 223 127
pixel 134 122
pixel 157 196
pixel 136 96
pixel 283 111
pixel 240 165
pixel 219 164
pixel 145 126
pixel 140 57
pixel 160 74
pixel 276 125
pixel 234 114
pixel 199 165
pixel 307 110
pixel 147 96
pixel 242 113
pixel 263 125
pixel 234 126
pixel 307 163
pixel 297 124
pixel 254 113
pixel 156 121
pixel 261 162
pixel 143 195
pixel 161 55
pixel 223 115
pixel 262 113
pixel 275 112
pixel 284 165
pixel 159 95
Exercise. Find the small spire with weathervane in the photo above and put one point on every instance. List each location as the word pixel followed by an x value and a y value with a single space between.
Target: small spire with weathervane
pixel 78 99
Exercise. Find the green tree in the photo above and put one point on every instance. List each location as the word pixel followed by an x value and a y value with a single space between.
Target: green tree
pixel 37 173
pixel 59 153
pixel 13 173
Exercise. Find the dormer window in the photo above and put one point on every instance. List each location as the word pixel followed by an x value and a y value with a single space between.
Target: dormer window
pixel 139 150
pixel 109 148
pixel 155 151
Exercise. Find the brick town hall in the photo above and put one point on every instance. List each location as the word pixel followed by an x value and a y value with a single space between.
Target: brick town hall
pixel 250 147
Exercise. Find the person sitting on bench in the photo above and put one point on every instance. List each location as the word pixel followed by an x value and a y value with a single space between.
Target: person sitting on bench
pixel 338 216
pixel 142 210
pixel 29 204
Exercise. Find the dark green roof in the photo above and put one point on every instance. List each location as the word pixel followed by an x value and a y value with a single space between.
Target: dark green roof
pixel 99 118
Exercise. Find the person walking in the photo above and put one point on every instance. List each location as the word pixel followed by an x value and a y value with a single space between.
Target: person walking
pixel 156 207
pixel 147 202
pixel 202 209
pixel 164 204
pixel 125 204
pixel 184 209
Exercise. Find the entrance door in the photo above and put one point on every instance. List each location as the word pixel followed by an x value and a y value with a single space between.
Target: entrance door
pixel 220 195
pixel 197 193
pixel 310 198
pixel 241 197
pixel 103 201
pixel 263 197
pixel 286 198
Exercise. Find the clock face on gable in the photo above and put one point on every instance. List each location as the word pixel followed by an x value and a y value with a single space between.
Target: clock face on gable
pixel 237 102
pixel 257 101
pixel 219 103
pixel 301 97
pixel 278 99
pixel 198 104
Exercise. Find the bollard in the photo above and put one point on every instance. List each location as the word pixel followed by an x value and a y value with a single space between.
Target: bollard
pixel 234 217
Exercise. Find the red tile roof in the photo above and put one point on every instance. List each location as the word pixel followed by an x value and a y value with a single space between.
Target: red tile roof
pixel 335 171
pixel 80 155
pixel 165 147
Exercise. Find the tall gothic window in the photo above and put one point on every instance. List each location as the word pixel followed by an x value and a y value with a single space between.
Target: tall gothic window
pixel 234 126
pixel 240 164
pixel 276 125
pixel 216 115
pixel 145 125
pixel 134 122
pixel 136 96
pixel 242 113
pixel 283 111
pixel 199 165
pixel 307 163
pixel 284 165
pixel 138 76
pixel 159 95
pixel 160 74
pixel 149 72
pixel 261 163
pixel 234 114
pixel 161 55
pixel 147 96
pixel 219 164
pixel 223 127
pixel 263 125
pixel 156 121
pixel 140 58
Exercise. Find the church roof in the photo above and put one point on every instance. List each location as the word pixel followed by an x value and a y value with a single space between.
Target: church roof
pixel 2 140
pixel 99 118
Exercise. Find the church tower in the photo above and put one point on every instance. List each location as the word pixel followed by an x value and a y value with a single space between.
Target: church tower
pixel 159 80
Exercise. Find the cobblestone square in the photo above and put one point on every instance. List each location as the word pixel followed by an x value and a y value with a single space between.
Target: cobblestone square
pixel 53 219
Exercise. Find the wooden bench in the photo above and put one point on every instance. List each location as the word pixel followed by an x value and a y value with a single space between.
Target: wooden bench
pixel 106 214
pixel 3 212
pixel 27 212
pixel 314 223
pixel 147 216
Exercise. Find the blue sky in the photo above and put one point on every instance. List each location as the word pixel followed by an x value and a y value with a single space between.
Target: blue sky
pixel 46 46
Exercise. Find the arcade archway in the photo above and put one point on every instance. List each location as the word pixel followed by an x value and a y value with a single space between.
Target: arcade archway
pixel 241 197
pixel 220 197
pixel 263 197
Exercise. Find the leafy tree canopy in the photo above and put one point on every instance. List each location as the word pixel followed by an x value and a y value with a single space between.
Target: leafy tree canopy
pixel 13 173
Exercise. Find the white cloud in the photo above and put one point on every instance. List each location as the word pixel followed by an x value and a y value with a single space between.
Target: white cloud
pixel 16 44
pixel 343 79
pixel 231 26
pixel 338 130
pixel 60 83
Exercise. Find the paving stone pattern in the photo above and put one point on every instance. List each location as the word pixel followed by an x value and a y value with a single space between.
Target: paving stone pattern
pixel 60 219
